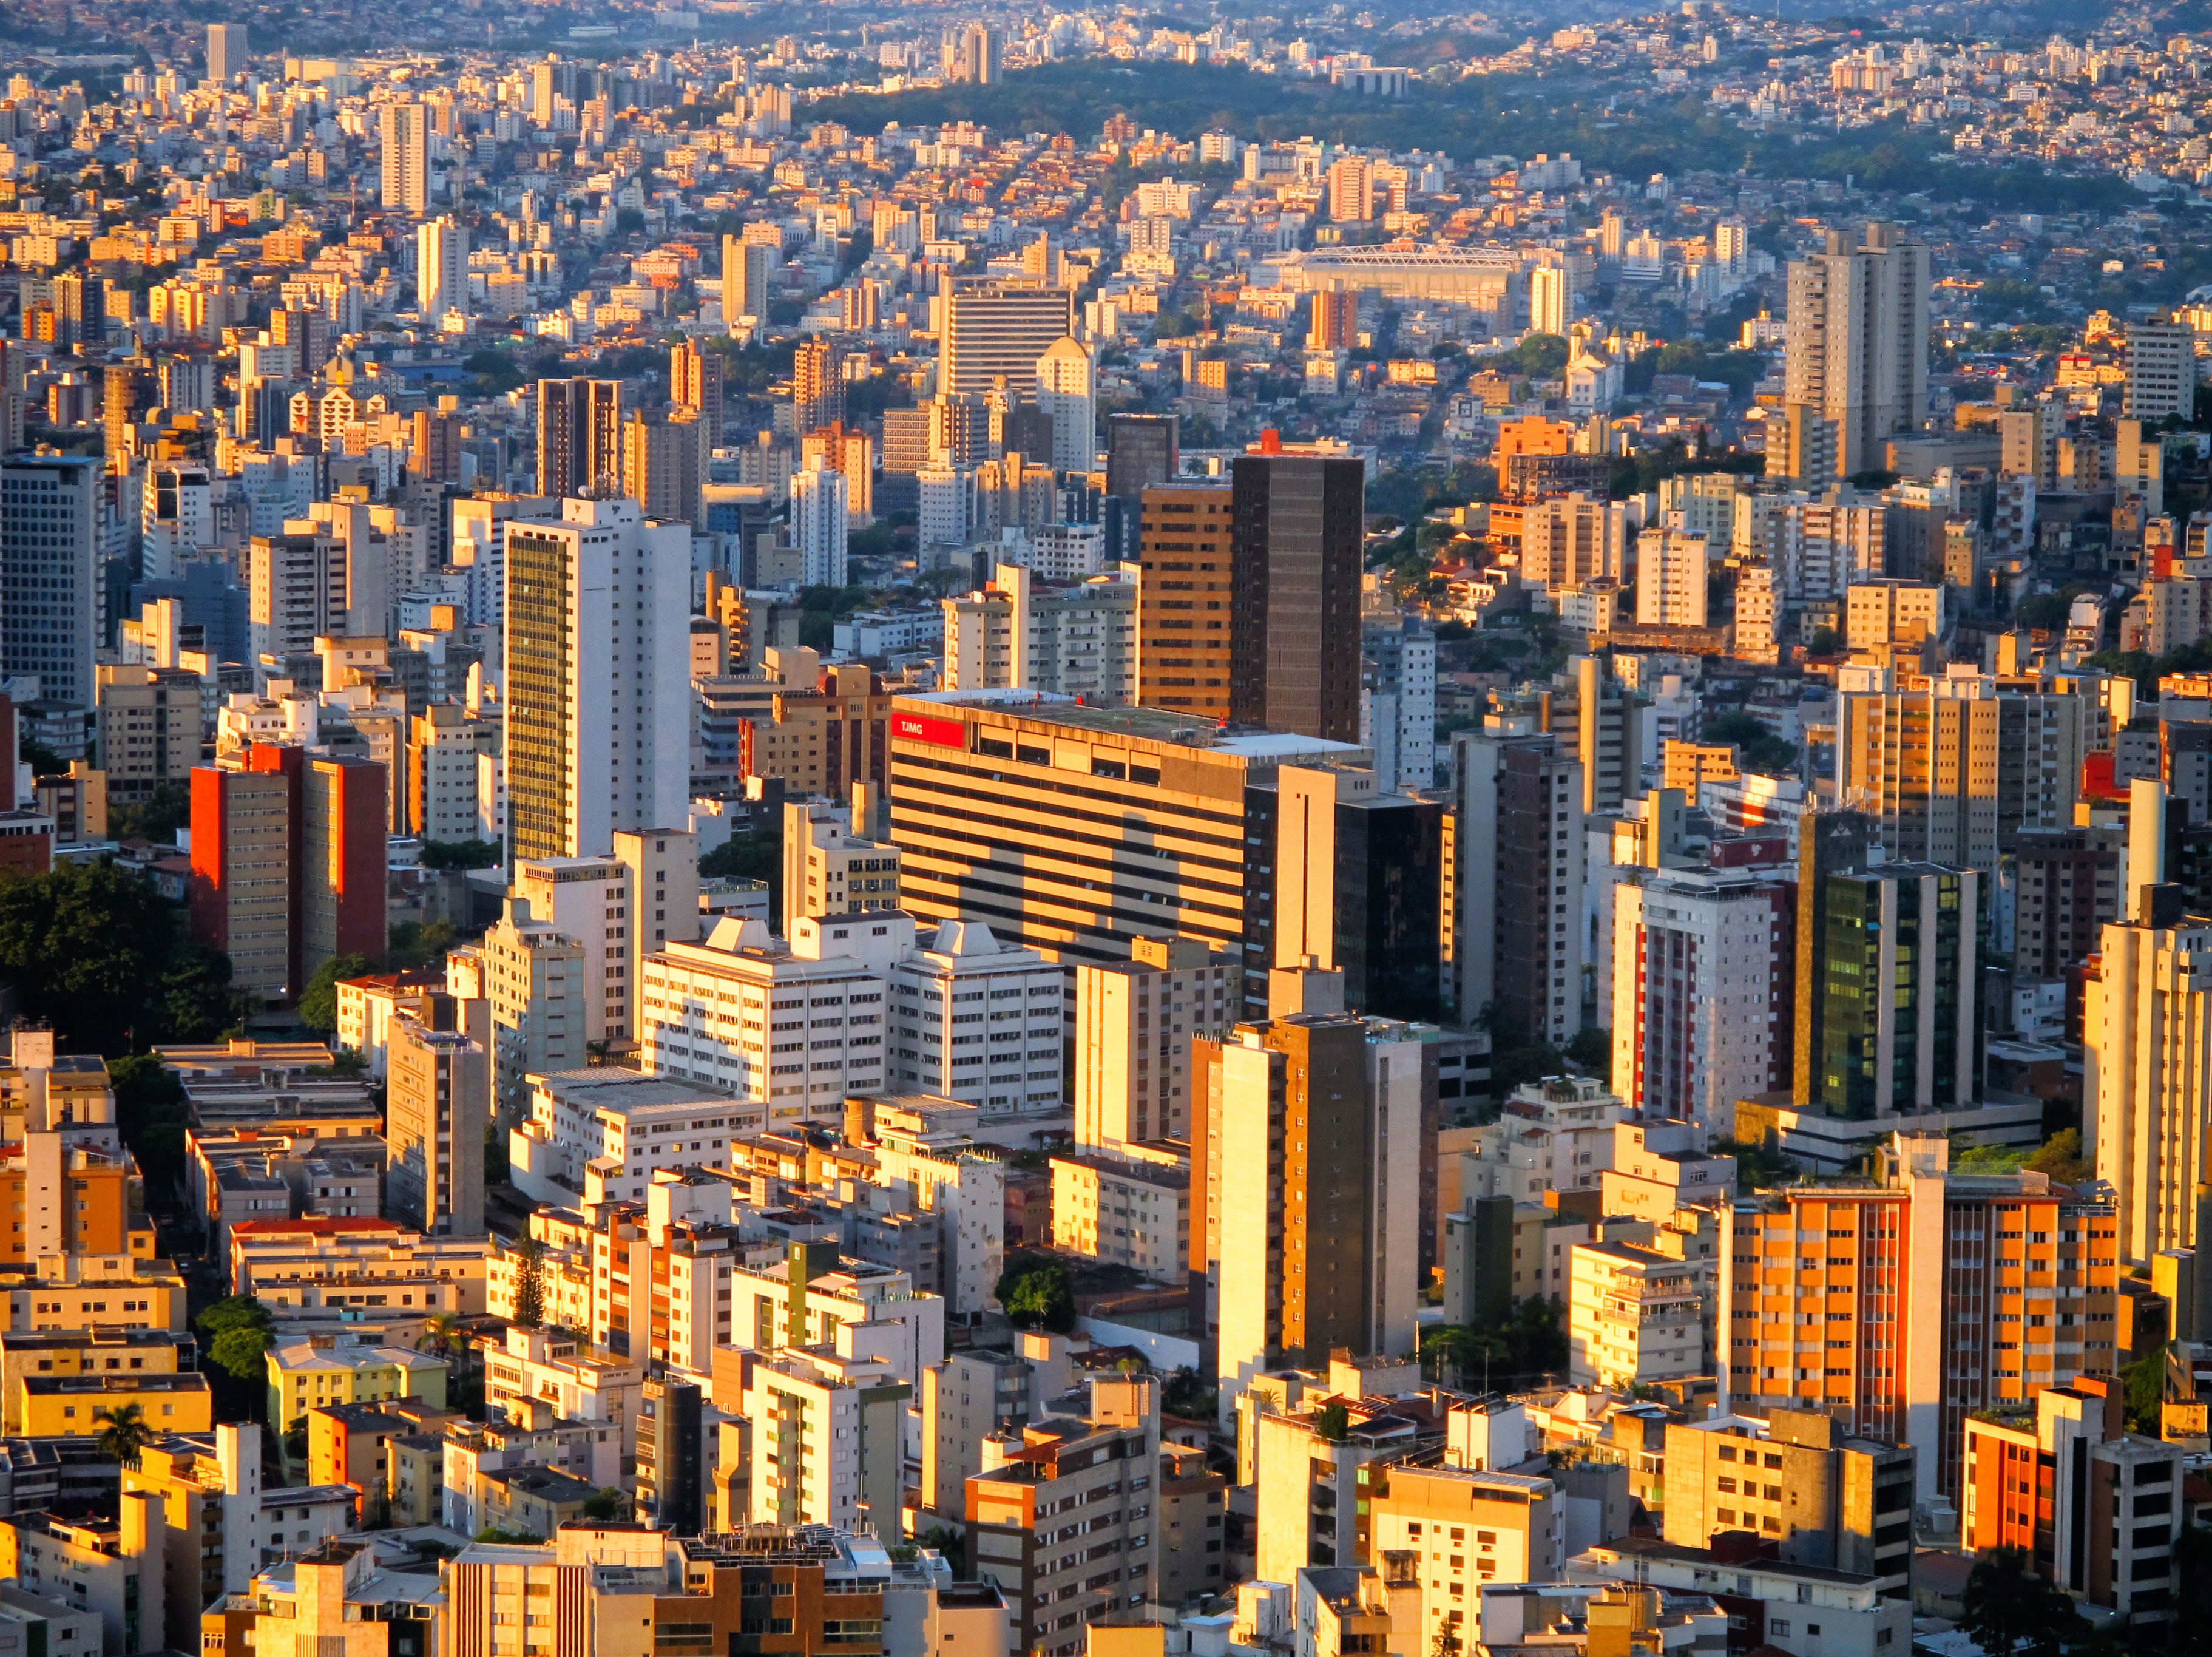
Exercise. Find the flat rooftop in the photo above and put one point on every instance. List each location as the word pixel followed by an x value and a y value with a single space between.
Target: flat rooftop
pixel 1145 724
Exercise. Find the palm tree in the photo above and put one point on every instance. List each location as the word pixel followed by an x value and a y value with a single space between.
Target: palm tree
pixel 442 1333
pixel 125 1433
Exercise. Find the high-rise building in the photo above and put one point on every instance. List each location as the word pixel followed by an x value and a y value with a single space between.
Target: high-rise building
pixel 438 1083
pixel 50 518
pixel 1185 557
pixel 441 268
pixel 695 384
pixel 1956 771
pixel 996 330
pixel 820 524
pixel 1141 450
pixel 1572 540
pixel 664 464
pixel 1856 351
pixel 817 385
pixel 226 52
pixel 2146 1079
pixel 1310 1163
pixel 1551 299
pixel 1134 1024
pixel 404 129
pixel 2161 370
pixel 598 681
pixel 1704 973
pixel 1398 704
pixel 1352 190
pixel 981 48
pixel 1064 871
pixel 1359 885
pixel 1670 578
pixel 830 865
pixel 2067 891
pixel 1011 1063
pixel 1895 988
pixel 1516 941
pixel 746 269
pixel 840 447
pixel 1066 392
pixel 1938 1294
pixel 580 437
pixel 1297 522
pixel 534 976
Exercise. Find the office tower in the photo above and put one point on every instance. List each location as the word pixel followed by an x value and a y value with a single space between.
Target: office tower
pixel 1670 579
pixel 2161 370
pixel 226 52
pixel 404 129
pixel 1056 1586
pixel 591 748
pixel 2146 1079
pixel 1066 392
pixel 1820 1496
pixel 819 524
pixel 617 906
pixel 746 268
pixel 49 520
pixel 830 864
pixel 1551 299
pixel 1940 1294
pixel 580 437
pixel 721 1012
pixel 1352 190
pixel 817 386
pixel 1359 885
pixel 664 465
pixel 1517 947
pixel 441 268
pixel 1185 557
pixel 1297 528
pixel 1134 1024
pixel 843 449
pixel 1398 704
pixel 1896 989
pixel 1954 772
pixel 996 331
pixel 438 1100
pixel 1573 540
pixel 936 987
pixel 694 383
pixel 1077 889
pixel 1141 450
pixel 1857 352
pixel 2045 1481
pixel 1310 1167
pixel 1704 975
pixel 288 864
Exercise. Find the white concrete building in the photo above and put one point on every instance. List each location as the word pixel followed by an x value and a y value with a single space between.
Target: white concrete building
pixel 978 1021
pixel 1067 390
pixel 1670 578
pixel 633 1125
pixel 820 523
pixel 1553 1135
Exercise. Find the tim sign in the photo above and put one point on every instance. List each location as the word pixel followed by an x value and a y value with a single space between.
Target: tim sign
pixel 938 732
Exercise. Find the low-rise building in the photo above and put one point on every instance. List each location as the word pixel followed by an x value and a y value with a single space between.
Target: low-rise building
pixel 304 1375
pixel 1135 1214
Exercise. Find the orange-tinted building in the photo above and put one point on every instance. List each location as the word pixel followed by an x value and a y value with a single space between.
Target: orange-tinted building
pixel 1183 598
pixel 1935 1295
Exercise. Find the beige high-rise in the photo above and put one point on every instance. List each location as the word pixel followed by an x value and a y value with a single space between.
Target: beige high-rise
pixel 1857 343
pixel 1134 1024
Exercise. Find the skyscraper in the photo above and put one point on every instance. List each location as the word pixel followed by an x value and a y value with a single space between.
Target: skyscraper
pixel 1134 1023
pixel 1310 1168
pixel 441 268
pixel 1857 347
pixel 819 524
pixel 2146 1079
pixel 818 386
pixel 745 269
pixel 981 50
pixel 226 52
pixel 2161 370
pixel 404 129
pixel 598 706
pixel 996 330
pixel 1297 524
pixel 49 565
pixel 438 1106
pixel 1183 598
pixel 1551 299
pixel 1066 393
pixel 665 463
pixel 694 383
pixel 1516 945
pixel 580 437
pixel 1140 451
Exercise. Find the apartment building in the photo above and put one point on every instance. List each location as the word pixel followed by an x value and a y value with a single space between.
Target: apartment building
pixel 977 1021
pixel 579 1382
pixel 1063 1519
pixel 2145 1080
pixel 967 1398
pixel 1465 1529
pixel 312 1373
pixel 1133 1213
pixel 1134 1024
pixel 826 1446
pixel 830 866
pixel 1940 1294
pixel 1183 636
pixel 631 1125
pixel 1806 1610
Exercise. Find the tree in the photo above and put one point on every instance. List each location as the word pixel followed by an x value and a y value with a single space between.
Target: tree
pixel 124 1434
pixel 319 1001
pixel 2007 1608
pixel 2145 1380
pixel 610 1503
pixel 2061 1158
pixel 1189 1394
pixel 510 1538
pixel 1037 1292
pixel 1466 1350
pixel 529 1285
pixel 240 1331
pixel 1592 1048
pixel 2192 1605
pixel 459 854
pixel 443 1334
pixel 94 951
pixel 1332 1422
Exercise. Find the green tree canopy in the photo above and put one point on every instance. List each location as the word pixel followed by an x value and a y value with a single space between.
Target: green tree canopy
pixel 239 1331
pixel 319 1001
pixel 1037 1292
pixel 2008 1609
pixel 1332 1422
pixel 94 951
